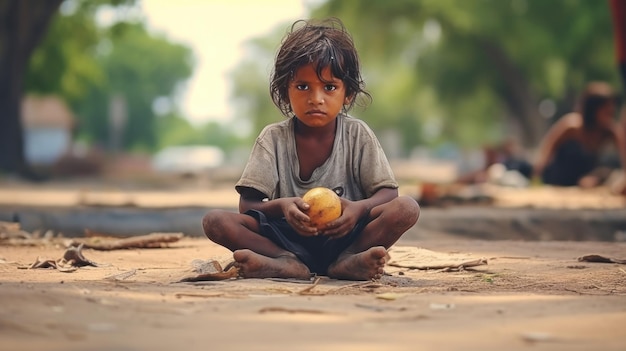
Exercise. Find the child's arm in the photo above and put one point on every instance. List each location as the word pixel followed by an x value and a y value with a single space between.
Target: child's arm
pixel 551 140
pixel 353 211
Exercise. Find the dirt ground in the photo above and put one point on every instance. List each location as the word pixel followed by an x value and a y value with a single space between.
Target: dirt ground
pixel 531 295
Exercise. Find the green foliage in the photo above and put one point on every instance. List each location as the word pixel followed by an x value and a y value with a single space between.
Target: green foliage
pixel 64 63
pixel 493 58
pixel 142 80
pixel 88 64
pixel 251 82
pixel 438 70
pixel 176 130
pixel 470 72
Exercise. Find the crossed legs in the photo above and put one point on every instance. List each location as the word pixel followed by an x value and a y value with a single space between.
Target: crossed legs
pixel 258 257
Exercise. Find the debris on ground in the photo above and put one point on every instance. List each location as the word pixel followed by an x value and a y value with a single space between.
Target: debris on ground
pixel 105 243
pixel 423 259
pixel 601 259
pixel 211 270
pixel 72 259
pixel 12 234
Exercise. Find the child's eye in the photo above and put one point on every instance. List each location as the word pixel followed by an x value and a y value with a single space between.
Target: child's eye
pixel 302 87
pixel 330 87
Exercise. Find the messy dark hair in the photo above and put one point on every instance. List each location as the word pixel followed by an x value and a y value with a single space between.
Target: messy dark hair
pixel 324 43
pixel 595 95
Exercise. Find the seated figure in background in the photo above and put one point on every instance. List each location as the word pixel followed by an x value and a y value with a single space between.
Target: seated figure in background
pixel 572 152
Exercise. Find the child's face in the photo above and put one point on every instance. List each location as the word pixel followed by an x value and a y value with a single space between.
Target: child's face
pixel 314 102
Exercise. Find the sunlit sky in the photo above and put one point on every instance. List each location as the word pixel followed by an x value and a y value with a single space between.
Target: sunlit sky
pixel 216 31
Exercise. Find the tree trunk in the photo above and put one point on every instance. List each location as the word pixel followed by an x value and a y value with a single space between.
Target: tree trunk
pixel 522 104
pixel 22 25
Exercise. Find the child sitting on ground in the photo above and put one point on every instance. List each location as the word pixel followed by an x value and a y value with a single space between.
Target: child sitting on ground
pixel 316 79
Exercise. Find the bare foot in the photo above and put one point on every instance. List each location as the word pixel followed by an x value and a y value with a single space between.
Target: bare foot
pixel 364 265
pixel 254 265
pixel 589 181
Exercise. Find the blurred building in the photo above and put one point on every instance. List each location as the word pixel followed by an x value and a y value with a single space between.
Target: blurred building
pixel 47 123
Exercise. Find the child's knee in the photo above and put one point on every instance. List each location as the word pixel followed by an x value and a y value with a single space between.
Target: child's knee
pixel 211 222
pixel 408 210
pixel 402 212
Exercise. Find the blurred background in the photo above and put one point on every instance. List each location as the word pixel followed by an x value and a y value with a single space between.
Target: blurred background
pixel 154 89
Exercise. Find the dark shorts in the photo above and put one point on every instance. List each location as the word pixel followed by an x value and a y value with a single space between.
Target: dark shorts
pixel 316 252
pixel 570 163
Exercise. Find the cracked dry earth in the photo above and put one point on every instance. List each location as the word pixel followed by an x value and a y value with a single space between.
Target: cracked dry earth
pixel 529 295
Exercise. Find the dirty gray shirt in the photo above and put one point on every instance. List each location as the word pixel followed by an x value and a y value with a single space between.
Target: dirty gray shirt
pixel 356 168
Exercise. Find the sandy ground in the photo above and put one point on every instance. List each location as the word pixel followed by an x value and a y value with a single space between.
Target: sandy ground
pixel 530 295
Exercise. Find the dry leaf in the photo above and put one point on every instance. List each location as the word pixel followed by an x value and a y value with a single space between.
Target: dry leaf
pixel 389 296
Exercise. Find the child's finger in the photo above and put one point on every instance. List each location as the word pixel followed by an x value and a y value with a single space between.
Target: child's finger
pixel 303 228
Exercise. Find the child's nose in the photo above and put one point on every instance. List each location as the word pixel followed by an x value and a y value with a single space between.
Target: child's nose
pixel 316 97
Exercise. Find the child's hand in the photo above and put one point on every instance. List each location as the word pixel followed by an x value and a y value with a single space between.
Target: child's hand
pixel 293 210
pixel 351 213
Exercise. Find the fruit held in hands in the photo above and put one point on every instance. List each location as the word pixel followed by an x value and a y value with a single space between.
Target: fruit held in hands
pixel 324 206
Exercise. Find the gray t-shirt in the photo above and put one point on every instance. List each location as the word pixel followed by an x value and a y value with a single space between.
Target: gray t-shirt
pixel 356 168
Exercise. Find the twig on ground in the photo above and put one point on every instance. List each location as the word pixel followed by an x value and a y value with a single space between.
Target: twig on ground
pixel 445 267
pixel 122 276
pixel 179 295
pixel 307 291
pixel 152 240
pixel 290 310
pixel 601 259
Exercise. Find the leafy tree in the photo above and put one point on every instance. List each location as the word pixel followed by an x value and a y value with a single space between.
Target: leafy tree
pixel 138 80
pixel 174 130
pixel 23 23
pixel 251 82
pixel 86 64
pixel 223 136
pixel 99 63
pixel 65 64
pixel 488 62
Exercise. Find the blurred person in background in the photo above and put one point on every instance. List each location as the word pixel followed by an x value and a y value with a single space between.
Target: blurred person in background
pixel 575 150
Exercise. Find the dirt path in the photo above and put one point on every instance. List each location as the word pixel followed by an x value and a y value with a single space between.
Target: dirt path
pixel 530 295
